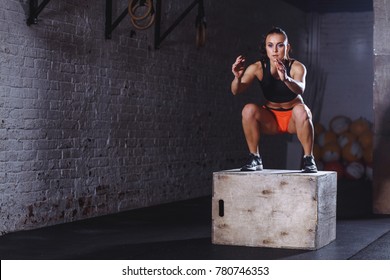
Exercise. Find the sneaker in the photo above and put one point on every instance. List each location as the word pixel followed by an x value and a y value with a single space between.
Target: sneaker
pixel 254 163
pixel 309 165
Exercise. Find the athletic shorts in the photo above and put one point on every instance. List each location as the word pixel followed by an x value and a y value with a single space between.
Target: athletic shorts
pixel 282 117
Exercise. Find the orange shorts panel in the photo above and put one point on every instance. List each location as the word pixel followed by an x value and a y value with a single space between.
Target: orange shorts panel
pixel 282 118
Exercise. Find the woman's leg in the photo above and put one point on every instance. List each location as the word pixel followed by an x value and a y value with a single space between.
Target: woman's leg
pixel 255 121
pixel 301 124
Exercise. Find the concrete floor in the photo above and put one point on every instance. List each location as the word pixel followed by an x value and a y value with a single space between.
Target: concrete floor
pixel 180 231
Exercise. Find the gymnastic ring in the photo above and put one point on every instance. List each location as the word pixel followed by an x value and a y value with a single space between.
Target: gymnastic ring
pixel 200 35
pixel 149 24
pixel 135 4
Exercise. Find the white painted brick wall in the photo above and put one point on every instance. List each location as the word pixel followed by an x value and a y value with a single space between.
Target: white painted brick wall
pixel 347 58
pixel 90 126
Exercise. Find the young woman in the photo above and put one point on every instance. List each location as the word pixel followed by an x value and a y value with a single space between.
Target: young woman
pixel 282 80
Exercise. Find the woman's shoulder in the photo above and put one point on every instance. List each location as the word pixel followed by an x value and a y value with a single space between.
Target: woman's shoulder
pixel 298 69
pixel 257 69
pixel 256 66
pixel 297 65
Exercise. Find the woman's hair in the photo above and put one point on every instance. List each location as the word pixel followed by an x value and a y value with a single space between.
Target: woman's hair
pixel 274 30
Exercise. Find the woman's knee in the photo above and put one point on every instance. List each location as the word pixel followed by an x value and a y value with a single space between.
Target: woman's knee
pixel 250 111
pixel 302 113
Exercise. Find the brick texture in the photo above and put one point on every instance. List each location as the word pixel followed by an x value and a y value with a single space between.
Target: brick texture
pixel 90 126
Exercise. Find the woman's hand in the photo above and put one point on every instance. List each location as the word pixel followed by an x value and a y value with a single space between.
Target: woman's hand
pixel 281 69
pixel 296 81
pixel 238 67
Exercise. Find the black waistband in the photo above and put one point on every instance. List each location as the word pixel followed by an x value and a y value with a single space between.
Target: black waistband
pixel 278 109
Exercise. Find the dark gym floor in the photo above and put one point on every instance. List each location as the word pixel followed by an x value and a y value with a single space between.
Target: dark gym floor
pixel 182 231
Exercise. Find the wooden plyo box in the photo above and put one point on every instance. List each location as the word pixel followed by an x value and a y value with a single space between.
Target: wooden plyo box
pixel 274 208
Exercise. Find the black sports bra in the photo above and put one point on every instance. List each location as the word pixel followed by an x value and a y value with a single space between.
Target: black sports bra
pixel 275 90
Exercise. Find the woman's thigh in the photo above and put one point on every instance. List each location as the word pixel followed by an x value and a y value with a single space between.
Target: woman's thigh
pixel 300 114
pixel 265 119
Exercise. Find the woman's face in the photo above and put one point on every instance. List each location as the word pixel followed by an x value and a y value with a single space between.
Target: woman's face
pixel 277 46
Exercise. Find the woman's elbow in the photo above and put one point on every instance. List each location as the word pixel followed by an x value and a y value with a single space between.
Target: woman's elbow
pixel 235 91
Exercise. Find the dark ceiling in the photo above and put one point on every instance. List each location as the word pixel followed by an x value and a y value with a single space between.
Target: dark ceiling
pixel 332 6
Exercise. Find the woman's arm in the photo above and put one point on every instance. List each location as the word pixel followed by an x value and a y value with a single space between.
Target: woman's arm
pixel 242 77
pixel 296 82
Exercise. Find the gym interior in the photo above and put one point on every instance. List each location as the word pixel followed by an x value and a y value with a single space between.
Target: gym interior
pixel 113 123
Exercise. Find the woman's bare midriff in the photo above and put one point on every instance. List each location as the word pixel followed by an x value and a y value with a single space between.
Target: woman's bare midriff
pixel 285 105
